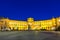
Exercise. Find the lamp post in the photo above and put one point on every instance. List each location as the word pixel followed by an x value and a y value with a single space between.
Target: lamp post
pixel 56 23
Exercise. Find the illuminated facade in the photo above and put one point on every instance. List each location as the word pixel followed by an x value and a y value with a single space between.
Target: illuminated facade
pixel 30 24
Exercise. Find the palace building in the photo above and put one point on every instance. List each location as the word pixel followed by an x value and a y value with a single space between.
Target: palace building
pixel 30 24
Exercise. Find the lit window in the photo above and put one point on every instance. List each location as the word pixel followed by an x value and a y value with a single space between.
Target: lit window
pixel 59 20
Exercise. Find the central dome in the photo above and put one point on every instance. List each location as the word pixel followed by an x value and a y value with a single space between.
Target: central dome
pixel 30 19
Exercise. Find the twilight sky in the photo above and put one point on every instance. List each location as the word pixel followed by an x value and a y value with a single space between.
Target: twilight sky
pixel 23 9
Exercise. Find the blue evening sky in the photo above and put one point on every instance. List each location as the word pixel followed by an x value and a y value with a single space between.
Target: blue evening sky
pixel 23 9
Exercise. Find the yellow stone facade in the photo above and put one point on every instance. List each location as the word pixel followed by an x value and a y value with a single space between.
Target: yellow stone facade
pixel 30 24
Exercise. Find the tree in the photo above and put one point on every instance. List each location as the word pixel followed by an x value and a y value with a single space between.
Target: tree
pixel 29 28
pixel 58 29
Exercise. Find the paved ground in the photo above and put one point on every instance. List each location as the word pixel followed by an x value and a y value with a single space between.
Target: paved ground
pixel 29 35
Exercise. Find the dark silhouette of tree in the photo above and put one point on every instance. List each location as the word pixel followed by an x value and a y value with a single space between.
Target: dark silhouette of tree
pixel 29 28
pixel 58 29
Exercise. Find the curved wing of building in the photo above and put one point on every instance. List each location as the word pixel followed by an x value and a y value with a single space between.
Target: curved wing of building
pixel 30 24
